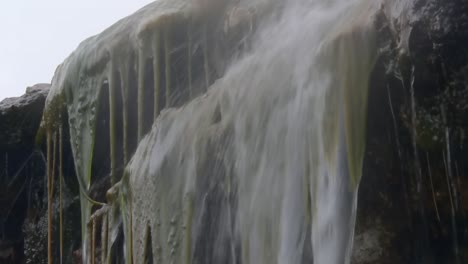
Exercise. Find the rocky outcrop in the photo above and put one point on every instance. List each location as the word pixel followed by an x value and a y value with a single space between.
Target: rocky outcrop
pixel 23 196
pixel 21 166
pixel 413 199
pixel 20 118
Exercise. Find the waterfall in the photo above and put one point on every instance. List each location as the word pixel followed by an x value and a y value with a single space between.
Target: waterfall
pixel 262 166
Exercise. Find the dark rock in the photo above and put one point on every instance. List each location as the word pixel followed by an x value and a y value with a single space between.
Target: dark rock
pixel 20 166
pixel 23 184
pixel 413 196
pixel 20 118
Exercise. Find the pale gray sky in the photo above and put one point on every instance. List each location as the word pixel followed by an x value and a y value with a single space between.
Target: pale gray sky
pixel 36 36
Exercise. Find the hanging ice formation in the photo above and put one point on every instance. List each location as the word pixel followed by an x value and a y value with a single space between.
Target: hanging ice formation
pixel 234 131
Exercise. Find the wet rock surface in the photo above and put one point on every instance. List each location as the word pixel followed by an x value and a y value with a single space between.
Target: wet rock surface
pixel 20 118
pixel 413 199
pixel 20 166
pixel 23 186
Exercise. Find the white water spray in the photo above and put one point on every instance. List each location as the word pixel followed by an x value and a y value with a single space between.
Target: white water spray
pixel 264 168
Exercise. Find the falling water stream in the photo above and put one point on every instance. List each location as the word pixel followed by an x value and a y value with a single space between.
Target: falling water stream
pixel 263 166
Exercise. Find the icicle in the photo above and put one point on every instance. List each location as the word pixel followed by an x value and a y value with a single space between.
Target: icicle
pixel 451 185
pixel 167 53
pixel 104 238
pixel 90 243
pixel 449 158
pixel 156 72
pixel 414 135
pixel 205 56
pixel 113 222
pixel 49 197
pixel 130 237
pixel 189 58
pixel 452 210
pixel 124 81
pixel 112 123
pixel 141 92
pixel 99 215
pixel 93 241
pixel 51 155
pixel 60 189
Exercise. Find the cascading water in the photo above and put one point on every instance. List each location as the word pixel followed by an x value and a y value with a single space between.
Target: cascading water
pixel 264 167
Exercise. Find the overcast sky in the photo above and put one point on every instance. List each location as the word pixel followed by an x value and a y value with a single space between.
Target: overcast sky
pixel 37 35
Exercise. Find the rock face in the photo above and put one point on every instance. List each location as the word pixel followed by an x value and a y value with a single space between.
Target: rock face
pixel 20 166
pixel 23 184
pixel 413 199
